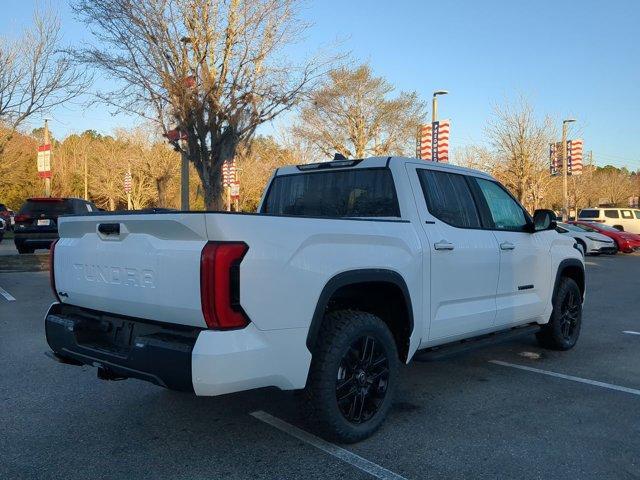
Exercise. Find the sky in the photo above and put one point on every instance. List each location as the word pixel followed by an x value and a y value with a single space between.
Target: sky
pixel 569 59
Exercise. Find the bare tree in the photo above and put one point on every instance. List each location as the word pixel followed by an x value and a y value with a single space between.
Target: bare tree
pixel 521 144
pixel 35 74
pixel 353 114
pixel 213 69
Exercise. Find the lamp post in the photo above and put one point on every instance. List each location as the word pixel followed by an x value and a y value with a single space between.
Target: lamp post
pixel 434 104
pixel 565 196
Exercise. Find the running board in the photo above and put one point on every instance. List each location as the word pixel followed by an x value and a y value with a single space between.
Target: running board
pixel 449 349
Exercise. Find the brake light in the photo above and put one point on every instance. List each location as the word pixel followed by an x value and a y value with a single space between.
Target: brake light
pixel 52 273
pixel 22 218
pixel 220 285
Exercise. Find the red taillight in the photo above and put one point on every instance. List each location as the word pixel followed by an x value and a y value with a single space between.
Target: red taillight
pixel 22 218
pixel 52 274
pixel 220 285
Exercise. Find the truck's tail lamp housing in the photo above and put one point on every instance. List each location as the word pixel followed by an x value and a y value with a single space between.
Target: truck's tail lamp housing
pixel 52 273
pixel 220 285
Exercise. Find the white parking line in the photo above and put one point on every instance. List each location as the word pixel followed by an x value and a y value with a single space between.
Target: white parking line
pixel 344 455
pixel 610 386
pixel 7 295
pixel 631 332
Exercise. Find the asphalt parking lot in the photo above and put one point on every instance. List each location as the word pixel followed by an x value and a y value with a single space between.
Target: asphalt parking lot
pixel 460 417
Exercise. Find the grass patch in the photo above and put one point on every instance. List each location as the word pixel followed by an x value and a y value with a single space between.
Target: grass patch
pixel 8 236
pixel 35 262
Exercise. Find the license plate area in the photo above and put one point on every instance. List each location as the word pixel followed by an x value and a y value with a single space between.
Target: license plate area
pixel 111 335
pixel 44 222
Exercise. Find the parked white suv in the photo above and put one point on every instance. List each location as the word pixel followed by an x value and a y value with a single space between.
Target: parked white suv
pixel 349 268
pixel 625 219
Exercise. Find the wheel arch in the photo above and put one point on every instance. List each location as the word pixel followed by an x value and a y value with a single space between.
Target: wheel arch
pixel 571 268
pixel 364 287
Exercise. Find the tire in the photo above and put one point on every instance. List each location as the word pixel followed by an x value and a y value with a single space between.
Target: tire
pixel 23 250
pixel 563 329
pixel 355 358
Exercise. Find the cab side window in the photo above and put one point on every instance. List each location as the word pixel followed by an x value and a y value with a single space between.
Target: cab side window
pixel 449 198
pixel 506 213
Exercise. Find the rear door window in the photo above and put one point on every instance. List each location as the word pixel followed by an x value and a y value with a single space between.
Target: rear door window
pixel 47 208
pixel 611 214
pixel 626 213
pixel 338 194
pixel 449 198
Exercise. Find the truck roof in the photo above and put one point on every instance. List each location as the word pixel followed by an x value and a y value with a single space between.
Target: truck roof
pixel 373 162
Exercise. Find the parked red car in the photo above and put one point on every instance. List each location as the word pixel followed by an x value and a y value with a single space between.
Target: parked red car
pixel 627 242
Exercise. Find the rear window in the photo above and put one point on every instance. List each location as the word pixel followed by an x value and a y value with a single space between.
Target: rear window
pixel 589 213
pixel 36 208
pixel 611 214
pixel 346 193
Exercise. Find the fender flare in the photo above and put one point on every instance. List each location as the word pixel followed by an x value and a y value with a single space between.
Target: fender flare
pixel 352 277
pixel 568 262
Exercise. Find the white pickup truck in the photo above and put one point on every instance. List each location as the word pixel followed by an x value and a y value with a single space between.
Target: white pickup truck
pixel 349 268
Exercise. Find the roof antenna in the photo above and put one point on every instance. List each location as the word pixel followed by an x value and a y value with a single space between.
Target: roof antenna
pixel 339 156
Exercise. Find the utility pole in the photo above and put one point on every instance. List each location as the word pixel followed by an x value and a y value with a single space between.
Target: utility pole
pixel 47 180
pixel 565 172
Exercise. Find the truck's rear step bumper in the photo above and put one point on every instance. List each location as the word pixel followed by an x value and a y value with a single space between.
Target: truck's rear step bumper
pixel 123 346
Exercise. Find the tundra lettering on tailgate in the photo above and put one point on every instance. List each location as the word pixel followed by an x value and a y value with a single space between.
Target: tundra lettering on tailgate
pixel 115 275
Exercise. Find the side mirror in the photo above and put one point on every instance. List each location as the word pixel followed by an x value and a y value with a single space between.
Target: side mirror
pixel 544 220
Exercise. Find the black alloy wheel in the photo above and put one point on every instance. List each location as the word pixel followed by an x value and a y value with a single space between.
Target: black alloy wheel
pixel 363 377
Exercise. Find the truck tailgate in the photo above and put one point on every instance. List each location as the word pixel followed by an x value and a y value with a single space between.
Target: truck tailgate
pixel 139 265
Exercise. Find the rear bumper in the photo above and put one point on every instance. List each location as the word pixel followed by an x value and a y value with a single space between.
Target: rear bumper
pixel 122 347
pixel 203 361
pixel 35 240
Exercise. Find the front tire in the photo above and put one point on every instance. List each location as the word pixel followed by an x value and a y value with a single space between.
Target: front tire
pixel 563 329
pixel 353 376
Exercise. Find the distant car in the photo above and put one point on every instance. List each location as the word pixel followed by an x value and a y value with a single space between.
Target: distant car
pixel 6 215
pixel 3 228
pixel 626 242
pixel 37 221
pixel 624 219
pixel 591 243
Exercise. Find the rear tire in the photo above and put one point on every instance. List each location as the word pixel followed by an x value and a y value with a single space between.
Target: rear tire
pixel 563 329
pixel 353 376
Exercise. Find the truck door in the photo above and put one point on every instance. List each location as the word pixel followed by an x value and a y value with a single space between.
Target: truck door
pixel 462 258
pixel 525 258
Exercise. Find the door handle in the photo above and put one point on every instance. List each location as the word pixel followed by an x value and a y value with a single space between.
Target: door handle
pixel 443 245
pixel 507 246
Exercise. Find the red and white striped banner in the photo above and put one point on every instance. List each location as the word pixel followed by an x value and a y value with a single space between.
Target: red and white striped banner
pixel 423 145
pixel 433 141
pixel 574 156
pixel 127 182
pixel 228 173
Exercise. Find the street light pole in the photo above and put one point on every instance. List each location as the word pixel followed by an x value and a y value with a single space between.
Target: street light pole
pixel 565 195
pixel 434 104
